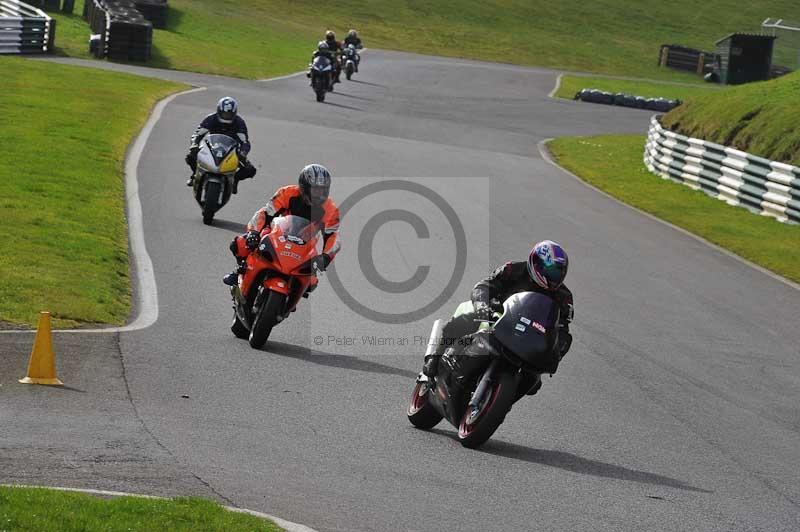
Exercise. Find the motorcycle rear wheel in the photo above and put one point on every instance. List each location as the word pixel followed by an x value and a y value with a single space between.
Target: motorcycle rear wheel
pixel 421 412
pixel 266 319
pixel 474 431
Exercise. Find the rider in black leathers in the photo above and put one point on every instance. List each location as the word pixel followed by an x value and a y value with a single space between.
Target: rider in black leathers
pixel 489 294
pixel 335 48
pixel 226 121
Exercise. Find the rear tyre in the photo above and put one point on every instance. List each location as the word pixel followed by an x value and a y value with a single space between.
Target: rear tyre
pixel 421 412
pixel 210 206
pixel 238 328
pixel 474 430
pixel 266 319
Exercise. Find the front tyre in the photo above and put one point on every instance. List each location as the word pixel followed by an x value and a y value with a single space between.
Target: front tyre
pixel 478 426
pixel 349 71
pixel 320 96
pixel 421 412
pixel 238 328
pixel 211 204
pixel 266 319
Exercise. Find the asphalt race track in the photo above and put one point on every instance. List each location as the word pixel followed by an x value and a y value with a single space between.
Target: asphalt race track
pixel 676 409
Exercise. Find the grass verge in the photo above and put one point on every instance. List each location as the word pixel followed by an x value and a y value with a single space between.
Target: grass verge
pixel 760 118
pixel 613 163
pixel 645 88
pixel 45 510
pixel 259 38
pixel 64 245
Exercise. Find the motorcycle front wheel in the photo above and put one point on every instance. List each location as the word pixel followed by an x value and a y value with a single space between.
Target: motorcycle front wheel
pixel 210 207
pixel 478 425
pixel 238 328
pixel 266 319
pixel 421 412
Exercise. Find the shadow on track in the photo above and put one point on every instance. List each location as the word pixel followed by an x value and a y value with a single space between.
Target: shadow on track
pixel 368 83
pixel 68 388
pixel 578 464
pixel 236 227
pixel 355 97
pixel 335 361
pixel 342 106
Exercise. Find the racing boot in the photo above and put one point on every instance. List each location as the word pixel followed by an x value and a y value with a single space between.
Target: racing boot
pixel 431 365
pixel 232 279
pixel 190 181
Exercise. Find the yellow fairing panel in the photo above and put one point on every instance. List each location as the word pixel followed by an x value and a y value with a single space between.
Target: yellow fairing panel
pixel 230 164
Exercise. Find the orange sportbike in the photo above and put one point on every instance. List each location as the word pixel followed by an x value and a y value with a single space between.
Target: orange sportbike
pixel 279 272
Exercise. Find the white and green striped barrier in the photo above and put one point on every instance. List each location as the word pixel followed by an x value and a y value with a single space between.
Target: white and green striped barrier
pixel 760 185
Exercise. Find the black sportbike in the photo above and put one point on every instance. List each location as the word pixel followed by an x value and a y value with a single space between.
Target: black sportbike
pixel 321 75
pixel 479 379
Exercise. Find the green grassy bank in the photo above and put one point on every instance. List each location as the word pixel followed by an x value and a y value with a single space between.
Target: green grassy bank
pixel 259 38
pixel 64 245
pixel 44 510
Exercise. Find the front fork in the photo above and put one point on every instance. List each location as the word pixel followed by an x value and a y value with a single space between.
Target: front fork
pixel 483 387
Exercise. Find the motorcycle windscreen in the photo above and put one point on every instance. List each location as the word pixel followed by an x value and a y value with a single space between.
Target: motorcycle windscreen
pixel 321 63
pixel 528 327
pixel 220 146
pixel 297 230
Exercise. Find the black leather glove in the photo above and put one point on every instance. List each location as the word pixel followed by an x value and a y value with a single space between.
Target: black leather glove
pixel 191 157
pixel 252 239
pixel 483 311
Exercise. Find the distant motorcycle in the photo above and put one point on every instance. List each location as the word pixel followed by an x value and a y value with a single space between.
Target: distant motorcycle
pixel 279 273
pixel 476 384
pixel 214 177
pixel 321 76
pixel 351 59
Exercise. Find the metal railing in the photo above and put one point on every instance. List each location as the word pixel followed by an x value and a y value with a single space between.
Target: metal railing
pixel 25 29
pixel 736 177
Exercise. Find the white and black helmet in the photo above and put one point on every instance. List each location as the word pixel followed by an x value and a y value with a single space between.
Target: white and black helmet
pixel 323 47
pixel 227 109
pixel 315 184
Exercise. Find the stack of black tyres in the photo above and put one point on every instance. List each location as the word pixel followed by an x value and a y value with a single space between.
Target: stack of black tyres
pixel 153 10
pixel 124 34
pixel 626 100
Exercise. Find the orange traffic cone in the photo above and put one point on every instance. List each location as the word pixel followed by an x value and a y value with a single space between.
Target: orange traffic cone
pixel 42 365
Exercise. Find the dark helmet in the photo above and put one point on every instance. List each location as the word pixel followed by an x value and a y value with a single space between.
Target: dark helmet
pixel 227 109
pixel 323 47
pixel 547 265
pixel 352 33
pixel 315 184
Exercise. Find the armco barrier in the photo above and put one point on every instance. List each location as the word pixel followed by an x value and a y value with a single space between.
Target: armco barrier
pixel 758 184
pixel 25 29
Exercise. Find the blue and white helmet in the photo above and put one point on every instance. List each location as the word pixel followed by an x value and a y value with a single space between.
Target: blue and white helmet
pixel 315 184
pixel 548 264
pixel 227 109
